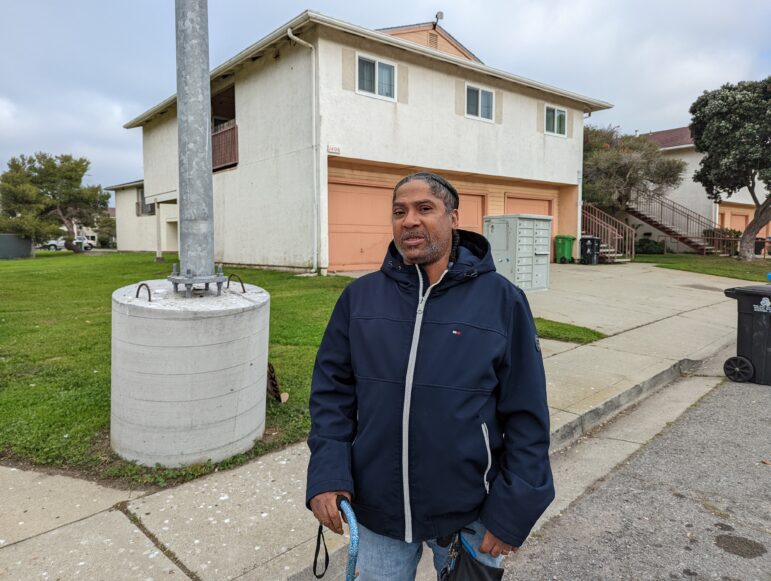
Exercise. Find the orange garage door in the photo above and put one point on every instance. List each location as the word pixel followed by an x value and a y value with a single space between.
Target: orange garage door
pixel 739 222
pixel 360 224
pixel 527 206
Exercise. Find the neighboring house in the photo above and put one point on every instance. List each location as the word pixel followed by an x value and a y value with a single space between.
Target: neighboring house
pixel 734 212
pixel 315 123
pixel 139 224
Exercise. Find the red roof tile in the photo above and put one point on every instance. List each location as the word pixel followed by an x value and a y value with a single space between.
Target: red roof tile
pixel 672 137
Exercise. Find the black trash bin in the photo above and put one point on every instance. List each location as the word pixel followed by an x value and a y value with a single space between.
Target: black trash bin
pixel 590 250
pixel 760 244
pixel 753 341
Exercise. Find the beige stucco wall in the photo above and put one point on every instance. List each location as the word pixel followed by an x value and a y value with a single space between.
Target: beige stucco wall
pixel 264 206
pixel 159 155
pixel 426 126
pixel 135 233
pixel 429 127
pixel 693 195
pixel 690 193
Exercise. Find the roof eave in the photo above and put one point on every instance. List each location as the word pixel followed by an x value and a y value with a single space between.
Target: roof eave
pixel 249 52
pixel 125 186
pixel 675 147
pixel 589 104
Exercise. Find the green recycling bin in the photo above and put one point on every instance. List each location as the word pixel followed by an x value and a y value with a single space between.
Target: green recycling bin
pixel 563 249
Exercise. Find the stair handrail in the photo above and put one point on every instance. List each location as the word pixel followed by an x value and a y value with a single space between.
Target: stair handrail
pixel 612 231
pixel 670 213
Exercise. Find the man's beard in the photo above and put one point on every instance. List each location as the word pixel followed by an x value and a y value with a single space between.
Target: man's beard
pixel 432 252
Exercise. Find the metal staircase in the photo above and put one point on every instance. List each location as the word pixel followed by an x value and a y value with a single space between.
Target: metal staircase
pixel 616 238
pixel 677 221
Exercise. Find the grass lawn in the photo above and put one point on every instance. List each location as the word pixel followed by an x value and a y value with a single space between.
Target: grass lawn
pixel 55 359
pixel 756 271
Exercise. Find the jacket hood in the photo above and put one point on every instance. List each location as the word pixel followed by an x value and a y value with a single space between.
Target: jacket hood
pixel 473 259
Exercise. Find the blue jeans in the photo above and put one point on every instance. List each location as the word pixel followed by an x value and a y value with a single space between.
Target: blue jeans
pixel 382 558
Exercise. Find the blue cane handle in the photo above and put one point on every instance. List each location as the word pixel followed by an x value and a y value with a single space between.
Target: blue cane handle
pixel 353 549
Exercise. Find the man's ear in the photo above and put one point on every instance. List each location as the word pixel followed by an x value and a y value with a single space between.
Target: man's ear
pixel 454 218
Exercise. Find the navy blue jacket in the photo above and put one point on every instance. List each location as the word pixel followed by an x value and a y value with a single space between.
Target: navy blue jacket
pixel 459 431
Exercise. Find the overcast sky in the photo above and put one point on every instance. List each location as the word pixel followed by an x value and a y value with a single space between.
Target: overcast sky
pixel 73 72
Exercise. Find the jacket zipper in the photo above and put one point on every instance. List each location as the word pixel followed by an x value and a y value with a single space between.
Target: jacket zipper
pixel 407 400
pixel 486 435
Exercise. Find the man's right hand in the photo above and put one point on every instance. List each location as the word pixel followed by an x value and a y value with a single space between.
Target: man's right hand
pixel 324 507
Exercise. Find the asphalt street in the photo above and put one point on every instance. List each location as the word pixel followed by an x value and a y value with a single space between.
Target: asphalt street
pixel 694 503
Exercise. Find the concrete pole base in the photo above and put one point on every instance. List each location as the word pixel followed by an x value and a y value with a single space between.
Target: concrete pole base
pixel 188 375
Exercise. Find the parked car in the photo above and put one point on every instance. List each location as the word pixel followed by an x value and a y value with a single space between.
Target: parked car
pixel 57 244
pixel 87 244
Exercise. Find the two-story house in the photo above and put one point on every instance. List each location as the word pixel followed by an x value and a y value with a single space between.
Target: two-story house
pixel 734 212
pixel 315 123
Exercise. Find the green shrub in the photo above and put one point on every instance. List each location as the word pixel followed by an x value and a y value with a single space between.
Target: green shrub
pixel 722 233
pixel 648 246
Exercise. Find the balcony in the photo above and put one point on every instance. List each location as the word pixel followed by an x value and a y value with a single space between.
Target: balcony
pixel 224 145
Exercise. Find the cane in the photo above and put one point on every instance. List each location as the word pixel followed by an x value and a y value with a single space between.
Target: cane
pixel 353 548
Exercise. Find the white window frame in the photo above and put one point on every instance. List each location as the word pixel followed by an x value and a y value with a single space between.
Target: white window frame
pixel 377 60
pixel 546 131
pixel 465 102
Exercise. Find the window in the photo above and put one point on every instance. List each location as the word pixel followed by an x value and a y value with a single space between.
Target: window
pixel 479 103
pixel 556 120
pixel 376 78
pixel 143 208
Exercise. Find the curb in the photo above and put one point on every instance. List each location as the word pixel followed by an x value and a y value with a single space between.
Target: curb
pixel 567 434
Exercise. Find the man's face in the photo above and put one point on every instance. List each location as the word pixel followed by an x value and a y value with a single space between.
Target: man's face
pixel 421 225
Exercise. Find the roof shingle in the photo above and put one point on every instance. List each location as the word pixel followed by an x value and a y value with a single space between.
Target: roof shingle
pixel 672 137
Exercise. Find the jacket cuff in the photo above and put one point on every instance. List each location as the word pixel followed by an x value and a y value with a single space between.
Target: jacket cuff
pixel 327 486
pixel 501 530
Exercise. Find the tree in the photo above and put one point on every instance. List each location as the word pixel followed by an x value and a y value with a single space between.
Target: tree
pixel 41 192
pixel 732 127
pixel 105 231
pixel 618 168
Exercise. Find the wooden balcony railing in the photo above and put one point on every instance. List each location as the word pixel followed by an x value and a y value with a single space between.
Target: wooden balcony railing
pixel 224 146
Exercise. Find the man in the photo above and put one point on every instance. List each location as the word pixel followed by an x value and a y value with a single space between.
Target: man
pixel 428 398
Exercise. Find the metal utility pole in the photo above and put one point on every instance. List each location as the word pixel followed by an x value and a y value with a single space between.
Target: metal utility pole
pixel 196 198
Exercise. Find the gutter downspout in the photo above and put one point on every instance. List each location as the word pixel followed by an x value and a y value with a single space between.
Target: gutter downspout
pixel 315 142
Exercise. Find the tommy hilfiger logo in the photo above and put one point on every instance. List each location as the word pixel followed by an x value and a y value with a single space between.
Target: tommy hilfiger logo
pixel 456 332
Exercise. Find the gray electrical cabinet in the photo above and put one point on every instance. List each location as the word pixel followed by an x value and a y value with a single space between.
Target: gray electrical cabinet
pixel 521 248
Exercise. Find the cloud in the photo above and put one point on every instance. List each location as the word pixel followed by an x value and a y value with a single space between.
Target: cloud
pixel 81 123
pixel 90 66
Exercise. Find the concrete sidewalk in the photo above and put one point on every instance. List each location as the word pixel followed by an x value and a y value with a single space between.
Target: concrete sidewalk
pixel 251 523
